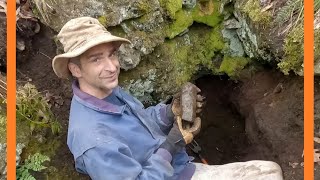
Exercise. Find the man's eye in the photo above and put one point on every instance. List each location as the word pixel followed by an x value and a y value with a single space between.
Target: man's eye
pixel 95 59
pixel 114 54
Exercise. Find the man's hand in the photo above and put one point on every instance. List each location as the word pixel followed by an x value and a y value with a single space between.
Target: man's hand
pixel 188 127
pixel 176 139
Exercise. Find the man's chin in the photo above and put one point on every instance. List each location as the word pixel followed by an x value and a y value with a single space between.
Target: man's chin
pixel 113 84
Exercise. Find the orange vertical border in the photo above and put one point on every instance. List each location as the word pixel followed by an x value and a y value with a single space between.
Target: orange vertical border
pixel 11 89
pixel 308 90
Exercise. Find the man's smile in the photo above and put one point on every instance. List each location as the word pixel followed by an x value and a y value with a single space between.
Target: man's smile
pixel 112 76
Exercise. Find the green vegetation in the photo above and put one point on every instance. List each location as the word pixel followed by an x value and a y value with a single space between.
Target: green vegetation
pixel 204 12
pixel 207 13
pixel 32 163
pixel 254 11
pixel 288 10
pixel 171 6
pixel 293 48
pixel 187 59
pixel 34 108
pixel 103 20
pixel 233 65
pixel 292 12
pixel 182 22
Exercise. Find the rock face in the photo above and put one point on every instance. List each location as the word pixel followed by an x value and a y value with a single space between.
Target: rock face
pixel 277 32
pixel 3 44
pixel 3 152
pixel 174 41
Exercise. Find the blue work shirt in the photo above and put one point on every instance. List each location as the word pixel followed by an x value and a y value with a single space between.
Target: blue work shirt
pixel 117 138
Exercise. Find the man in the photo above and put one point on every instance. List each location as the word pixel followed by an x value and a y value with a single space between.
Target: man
pixel 111 135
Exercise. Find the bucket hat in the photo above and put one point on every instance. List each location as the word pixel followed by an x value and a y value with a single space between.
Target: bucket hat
pixel 77 36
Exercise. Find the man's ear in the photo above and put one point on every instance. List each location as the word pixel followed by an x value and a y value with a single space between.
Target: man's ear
pixel 75 70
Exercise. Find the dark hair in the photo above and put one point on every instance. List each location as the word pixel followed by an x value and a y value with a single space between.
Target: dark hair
pixel 76 61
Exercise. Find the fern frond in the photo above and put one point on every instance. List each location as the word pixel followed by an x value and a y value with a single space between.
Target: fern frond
pixel 316 5
pixel 287 11
pixel 33 163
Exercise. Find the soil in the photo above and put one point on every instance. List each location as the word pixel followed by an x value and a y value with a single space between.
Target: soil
pixel 260 117
pixel 38 71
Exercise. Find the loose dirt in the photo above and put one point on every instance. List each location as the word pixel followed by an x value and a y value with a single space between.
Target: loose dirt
pixel 258 118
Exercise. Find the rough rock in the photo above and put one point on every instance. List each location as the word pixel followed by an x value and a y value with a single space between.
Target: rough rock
pixel 3 44
pixel 55 13
pixel 272 31
pixel 317 43
pixel 3 161
pixel 166 35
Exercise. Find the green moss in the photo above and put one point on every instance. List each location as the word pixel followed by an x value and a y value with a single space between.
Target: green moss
pixel 103 20
pixel 208 13
pixel 171 6
pixel 144 6
pixel 293 48
pixel 254 11
pixel 117 31
pixel 182 22
pixel 187 58
pixel 232 65
pixel 48 148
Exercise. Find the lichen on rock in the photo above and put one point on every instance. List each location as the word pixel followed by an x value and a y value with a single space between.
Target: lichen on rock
pixel 55 13
pixel 142 88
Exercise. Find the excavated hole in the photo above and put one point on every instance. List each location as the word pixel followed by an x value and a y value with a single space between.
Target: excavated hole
pixel 222 138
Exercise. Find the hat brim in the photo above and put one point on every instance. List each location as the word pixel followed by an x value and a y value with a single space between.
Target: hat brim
pixel 60 62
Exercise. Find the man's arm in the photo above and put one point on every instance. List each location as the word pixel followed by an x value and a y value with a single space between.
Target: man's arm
pixel 163 115
pixel 113 160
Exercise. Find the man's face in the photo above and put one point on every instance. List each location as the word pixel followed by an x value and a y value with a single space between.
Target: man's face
pixel 99 69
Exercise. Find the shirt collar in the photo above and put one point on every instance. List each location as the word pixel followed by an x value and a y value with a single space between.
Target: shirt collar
pixel 96 103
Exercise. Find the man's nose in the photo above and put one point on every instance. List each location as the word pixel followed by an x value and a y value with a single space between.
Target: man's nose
pixel 109 65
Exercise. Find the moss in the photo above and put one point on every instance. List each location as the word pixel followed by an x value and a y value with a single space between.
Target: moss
pixel 117 31
pixel 208 13
pixel 182 22
pixel 103 20
pixel 48 148
pixel 293 48
pixel 254 11
pixel 144 6
pixel 171 6
pixel 232 65
pixel 187 58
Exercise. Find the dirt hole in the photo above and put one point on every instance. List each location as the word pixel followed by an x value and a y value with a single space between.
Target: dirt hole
pixel 223 138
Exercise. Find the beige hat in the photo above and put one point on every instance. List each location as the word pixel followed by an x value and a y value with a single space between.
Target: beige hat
pixel 77 36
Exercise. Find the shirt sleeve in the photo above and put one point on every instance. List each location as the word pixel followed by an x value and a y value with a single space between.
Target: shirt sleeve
pixel 113 160
pixel 161 115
